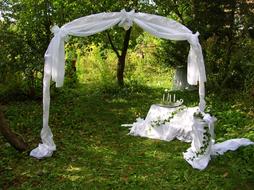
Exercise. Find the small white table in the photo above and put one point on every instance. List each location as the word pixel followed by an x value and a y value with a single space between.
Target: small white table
pixel 168 123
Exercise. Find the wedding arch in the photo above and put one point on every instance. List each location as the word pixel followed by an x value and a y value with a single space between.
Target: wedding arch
pixel 158 26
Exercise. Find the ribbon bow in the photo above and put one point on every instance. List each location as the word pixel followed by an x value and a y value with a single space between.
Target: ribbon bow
pixel 126 19
pixel 59 31
pixel 194 38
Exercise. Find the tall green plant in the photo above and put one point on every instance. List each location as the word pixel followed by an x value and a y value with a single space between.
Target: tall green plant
pixel 26 36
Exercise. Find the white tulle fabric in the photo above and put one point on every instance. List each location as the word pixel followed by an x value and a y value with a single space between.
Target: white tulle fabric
pixel 156 25
pixel 185 127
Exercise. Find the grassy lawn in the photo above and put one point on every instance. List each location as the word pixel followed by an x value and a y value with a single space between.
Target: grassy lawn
pixel 95 152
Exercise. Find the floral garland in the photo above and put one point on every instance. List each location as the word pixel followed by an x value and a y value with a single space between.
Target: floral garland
pixel 159 122
pixel 206 137
pixel 197 115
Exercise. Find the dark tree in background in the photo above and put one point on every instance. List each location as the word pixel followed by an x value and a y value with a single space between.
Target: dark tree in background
pixel 225 28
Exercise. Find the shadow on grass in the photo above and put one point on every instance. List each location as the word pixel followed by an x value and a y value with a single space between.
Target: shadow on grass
pixel 95 152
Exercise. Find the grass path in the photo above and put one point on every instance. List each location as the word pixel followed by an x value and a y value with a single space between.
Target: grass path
pixel 95 152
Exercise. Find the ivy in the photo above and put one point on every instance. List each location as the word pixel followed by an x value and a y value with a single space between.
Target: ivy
pixel 197 116
pixel 159 122
pixel 206 137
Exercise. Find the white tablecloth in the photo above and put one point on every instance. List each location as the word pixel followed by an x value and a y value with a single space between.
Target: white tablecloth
pixel 185 127
pixel 177 127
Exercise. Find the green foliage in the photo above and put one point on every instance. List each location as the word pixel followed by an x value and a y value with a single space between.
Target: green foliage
pixel 225 38
pixel 97 66
pixel 144 67
pixel 25 35
pixel 173 53
pixel 225 30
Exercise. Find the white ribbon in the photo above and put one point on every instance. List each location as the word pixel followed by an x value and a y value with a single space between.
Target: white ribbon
pixel 126 19
pixel 55 29
pixel 194 38
pixel 60 31
pixel 54 55
pixel 196 68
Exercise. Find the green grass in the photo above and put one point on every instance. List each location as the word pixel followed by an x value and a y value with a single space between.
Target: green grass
pixel 95 152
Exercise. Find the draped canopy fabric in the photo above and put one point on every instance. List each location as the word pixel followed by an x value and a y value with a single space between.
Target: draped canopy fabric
pixel 85 26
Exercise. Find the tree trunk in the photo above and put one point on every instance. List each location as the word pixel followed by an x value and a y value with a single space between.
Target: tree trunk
pixel 121 58
pixel 231 37
pixel 14 139
pixel 120 70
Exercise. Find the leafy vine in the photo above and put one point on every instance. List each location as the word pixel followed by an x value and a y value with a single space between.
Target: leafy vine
pixel 206 138
pixel 159 122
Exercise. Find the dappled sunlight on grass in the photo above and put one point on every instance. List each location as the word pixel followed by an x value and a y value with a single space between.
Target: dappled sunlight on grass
pixel 95 152
pixel 72 177
pixel 105 154
pixel 119 100
pixel 73 168
pixel 157 154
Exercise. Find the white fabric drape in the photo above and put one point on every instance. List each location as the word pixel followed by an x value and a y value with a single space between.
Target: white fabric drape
pixel 156 25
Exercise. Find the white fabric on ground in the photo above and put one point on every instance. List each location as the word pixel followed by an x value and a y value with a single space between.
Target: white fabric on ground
pixel 232 144
pixel 42 151
pixel 158 26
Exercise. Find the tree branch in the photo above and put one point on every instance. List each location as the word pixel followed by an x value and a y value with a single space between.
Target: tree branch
pixel 178 12
pixel 126 41
pixel 112 45
pixel 13 138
